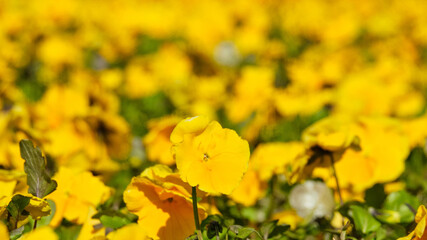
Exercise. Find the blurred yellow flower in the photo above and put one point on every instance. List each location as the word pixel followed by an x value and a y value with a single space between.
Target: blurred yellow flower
pixel 157 142
pixel 4 233
pixel 77 192
pixel 253 91
pixel 38 208
pixel 9 181
pixel 111 78
pixel 274 158
pixel 334 133
pixel 419 232
pixel 209 156
pixel 139 82
pixel 170 66
pixel 293 101
pixel 59 104
pixel 416 130
pixel 288 217
pixel 130 231
pixel 57 52
pixel 380 158
pixel 162 203
pixel 250 189
pixel 113 131
pixel 92 228
pixel 44 232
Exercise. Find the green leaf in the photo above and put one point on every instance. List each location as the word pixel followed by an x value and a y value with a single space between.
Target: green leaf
pixel 211 218
pixel 375 196
pixel 17 205
pixel 245 232
pixel 114 219
pixel 280 230
pixel 242 232
pixel 114 222
pixel 363 220
pixel 398 202
pixel 68 233
pixel 381 234
pixel 267 228
pixel 44 221
pixel 16 233
pixel 40 184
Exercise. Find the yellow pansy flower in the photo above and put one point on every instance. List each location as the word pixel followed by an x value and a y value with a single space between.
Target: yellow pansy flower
pixel 162 202
pixel 209 156
pixel 379 157
pixel 419 232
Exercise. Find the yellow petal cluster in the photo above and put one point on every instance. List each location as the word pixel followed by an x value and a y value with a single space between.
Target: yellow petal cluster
pixel 273 158
pixel 209 156
pixel 78 192
pixel 333 133
pixel 157 140
pixel 162 203
pixel 379 158
pixel 419 232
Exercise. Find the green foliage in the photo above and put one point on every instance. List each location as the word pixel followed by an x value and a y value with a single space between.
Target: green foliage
pixel 17 205
pixel 114 219
pixel 290 129
pixel 375 196
pixel 40 184
pixel 68 232
pixel 27 81
pixel 44 221
pixel 272 229
pixel 16 233
pixel 240 232
pixel 138 112
pixel 216 227
pixel 363 220
pixel 403 204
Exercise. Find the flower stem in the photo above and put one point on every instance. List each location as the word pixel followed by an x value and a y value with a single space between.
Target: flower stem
pixel 35 225
pixel 196 213
pixel 338 187
pixel 336 178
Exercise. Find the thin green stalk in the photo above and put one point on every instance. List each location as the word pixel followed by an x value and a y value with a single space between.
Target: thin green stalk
pixel 196 213
pixel 338 185
pixel 272 199
pixel 336 178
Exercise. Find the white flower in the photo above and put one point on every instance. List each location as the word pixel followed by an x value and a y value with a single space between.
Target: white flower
pixel 312 200
pixel 226 54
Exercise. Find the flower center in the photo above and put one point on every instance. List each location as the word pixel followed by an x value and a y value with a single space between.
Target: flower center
pixel 205 157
